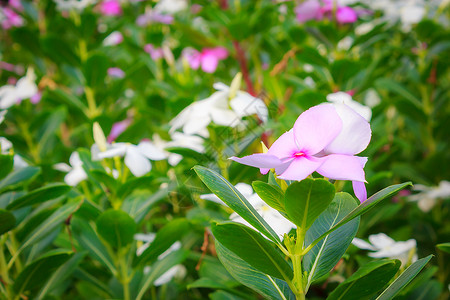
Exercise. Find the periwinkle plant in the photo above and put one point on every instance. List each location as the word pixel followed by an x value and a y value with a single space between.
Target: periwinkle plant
pixel 326 220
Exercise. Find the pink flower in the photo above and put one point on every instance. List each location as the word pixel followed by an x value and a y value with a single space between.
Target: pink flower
pixel 11 19
pixel 117 130
pixel 16 4
pixel 110 8
pixel 208 59
pixel 325 139
pixel 155 53
pixel 36 98
pixel 113 39
pixel 153 17
pixel 116 72
pixel 309 10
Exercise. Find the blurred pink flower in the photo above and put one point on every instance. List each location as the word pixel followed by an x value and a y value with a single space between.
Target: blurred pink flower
pixel 153 17
pixel 110 8
pixel 117 130
pixel 324 139
pixel 16 4
pixel 208 59
pixel 114 38
pixel 155 53
pixel 11 19
pixel 309 10
pixel 116 72
pixel 7 66
pixel 313 9
pixel 36 98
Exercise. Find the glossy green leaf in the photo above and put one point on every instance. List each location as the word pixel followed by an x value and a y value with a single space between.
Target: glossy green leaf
pixel 265 285
pixel 444 247
pixel 325 254
pixel 401 281
pixel 165 237
pixel 7 221
pixel 36 273
pixel 366 281
pixel 46 193
pixel 84 233
pixel 159 268
pixel 116 227
pixel 234 199
pixel 364 207
pixel 7 163
pixel 271 194
pixel 252 247
pixel 306 200
pixel 18 177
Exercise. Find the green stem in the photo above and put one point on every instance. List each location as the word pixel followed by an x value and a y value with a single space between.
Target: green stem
pixel 92 106
pixel 123 265
pixel 29 141
pixel 3 265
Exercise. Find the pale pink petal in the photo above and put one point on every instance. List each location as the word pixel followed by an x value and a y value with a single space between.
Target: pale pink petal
pixel 284 146
pixel 259 160
pixel 355 134
pixel 359 188
pixel 342 167
pixel 209 62
pixel 219 52
pixel 316 128
pixel 346 14
pixel 308 10
pixel 300 168
pixel 193 57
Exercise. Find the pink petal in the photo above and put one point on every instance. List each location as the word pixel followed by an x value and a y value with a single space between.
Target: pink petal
pixel 359 189
pixel 343 167
pixel 355 134
pixel 316 128
pixel 193 57
pixel 259 160
pixel 219 52
pixel 300 168
pixel 110 8
pixel 284 146
pixel 346 15
pixel 209 62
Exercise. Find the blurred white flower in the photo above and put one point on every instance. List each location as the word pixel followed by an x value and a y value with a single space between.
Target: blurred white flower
pixel 428 195
pixel 6 146
pixel 170 6
pixel 345 43
pixel 226 107
pixel 114 38
pixel 278 223
pixel 372 99
pixel 25 88
pixel 384 246
pixel 136 156
pixel 79 5
pixel 177 270
pixel 179 140
pixel 342 97
pixel 75 172
pixel 2 115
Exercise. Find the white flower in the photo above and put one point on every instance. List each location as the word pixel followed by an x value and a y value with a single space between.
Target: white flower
pixel 170 6
pixel 6 146
pixel 66 5
pixel 24 88
pixel 384 246
pixel 342 97
pixel 429 195
pixel 114 38
pixel 177 270
pixel 136 156
pixel 226 107
pixel 278 223
pixel 75 172
pixel 2 115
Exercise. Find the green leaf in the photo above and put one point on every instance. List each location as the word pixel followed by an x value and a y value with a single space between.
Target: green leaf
pixel 67 98
pixel 397 88
pixel 95 70
pixel 367 281
pixel 47 226
pixel 7 221
pixel 234 199
pixel 48 130
pixel 252 247
pixel 401 281
pixel 263 284
pixel 363 208
pixel 116 227
pixel 17 177
pixel 61 274
pixel 102 177
pixel 165 237
pixel 159 268
pixel 444 247
pixel 39 271
pixel 59 51
pixel 86 236
pixel 325 255
pixel 137 206
pixel 134 184
pixel 306 200
pixel 48 192
pixel 7 163
pixel 271 194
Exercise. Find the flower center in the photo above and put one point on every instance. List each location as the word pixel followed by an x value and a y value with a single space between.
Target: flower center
pixel 299 154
